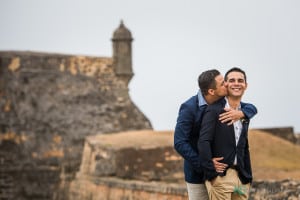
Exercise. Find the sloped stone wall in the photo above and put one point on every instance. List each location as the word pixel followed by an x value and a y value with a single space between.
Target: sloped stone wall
pixel 129 165
pixel 105 188
pixel 48 104
pixel 136 155
pixel 105 175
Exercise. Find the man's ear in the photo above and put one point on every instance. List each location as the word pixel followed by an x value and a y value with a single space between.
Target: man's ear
pixel 211 92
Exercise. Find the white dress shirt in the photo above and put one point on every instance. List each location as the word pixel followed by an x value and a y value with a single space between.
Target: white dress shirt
pixel 237 128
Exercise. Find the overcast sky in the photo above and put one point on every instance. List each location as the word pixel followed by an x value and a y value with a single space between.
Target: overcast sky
pixel 174 41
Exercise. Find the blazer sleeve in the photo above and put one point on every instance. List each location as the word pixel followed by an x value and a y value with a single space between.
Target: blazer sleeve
pixel 183 130
pixel 249 110
pixel 206 136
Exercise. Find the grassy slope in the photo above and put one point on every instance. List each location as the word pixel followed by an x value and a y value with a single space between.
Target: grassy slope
pixel 273 157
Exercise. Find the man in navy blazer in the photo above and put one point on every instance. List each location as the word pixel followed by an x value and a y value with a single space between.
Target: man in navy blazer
pixel 230 142
pixel 188 126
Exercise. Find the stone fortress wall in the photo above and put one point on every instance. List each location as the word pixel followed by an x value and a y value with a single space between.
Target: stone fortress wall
pixel 49 103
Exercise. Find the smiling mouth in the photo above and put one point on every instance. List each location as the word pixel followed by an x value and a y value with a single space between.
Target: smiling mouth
pixel 236 89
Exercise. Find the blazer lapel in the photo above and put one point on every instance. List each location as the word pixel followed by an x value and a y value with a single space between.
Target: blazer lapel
pixel 244 133
pixel 232 134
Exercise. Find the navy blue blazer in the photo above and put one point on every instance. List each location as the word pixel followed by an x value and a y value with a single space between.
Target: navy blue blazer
pixel 218 140
pixel 186 136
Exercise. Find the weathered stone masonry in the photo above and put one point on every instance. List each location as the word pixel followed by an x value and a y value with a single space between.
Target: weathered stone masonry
pixel 119 166
pixel 49 103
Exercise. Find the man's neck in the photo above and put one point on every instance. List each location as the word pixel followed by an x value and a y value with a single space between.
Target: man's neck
pixel 234 102
pixel 210 99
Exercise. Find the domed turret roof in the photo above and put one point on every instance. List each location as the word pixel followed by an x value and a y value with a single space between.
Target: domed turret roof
pixel 122 33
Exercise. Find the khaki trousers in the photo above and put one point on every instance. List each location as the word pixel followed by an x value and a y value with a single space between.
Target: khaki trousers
pixel 197 191
pixel 227 187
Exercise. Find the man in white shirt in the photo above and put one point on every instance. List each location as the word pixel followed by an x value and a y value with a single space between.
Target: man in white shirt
pixel 217 139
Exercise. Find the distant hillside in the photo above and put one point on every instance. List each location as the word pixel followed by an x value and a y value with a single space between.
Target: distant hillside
pixel 273 157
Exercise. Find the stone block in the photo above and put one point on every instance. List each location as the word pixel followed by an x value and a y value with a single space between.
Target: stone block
pixel 139 155
pixel 110 188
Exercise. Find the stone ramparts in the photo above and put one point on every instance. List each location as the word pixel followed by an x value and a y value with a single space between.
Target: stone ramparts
pixel 109 188
pixel 136 155
pixel 49 103
pixel 92 188
pixel 144 165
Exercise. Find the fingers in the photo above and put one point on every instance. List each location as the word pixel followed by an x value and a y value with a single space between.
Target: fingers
pixel 224 114
pixel 230 123
pixel 224 117
pixel 217 158
pixel 220 167
pixel 229 117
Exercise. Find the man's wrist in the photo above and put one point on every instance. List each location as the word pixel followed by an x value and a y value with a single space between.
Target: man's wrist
pixel 242 115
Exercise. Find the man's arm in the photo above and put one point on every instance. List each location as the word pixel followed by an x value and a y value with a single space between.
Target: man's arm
pixel 206 136
pixel 249 110
pixel 230 116
pixel 183 130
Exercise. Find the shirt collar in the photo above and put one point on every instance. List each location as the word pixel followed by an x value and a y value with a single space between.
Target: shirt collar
pixel 201 99
pixel 228 106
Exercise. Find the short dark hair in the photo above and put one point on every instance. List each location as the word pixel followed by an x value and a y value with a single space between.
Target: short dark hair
pixel 235 69
pixel 206 80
